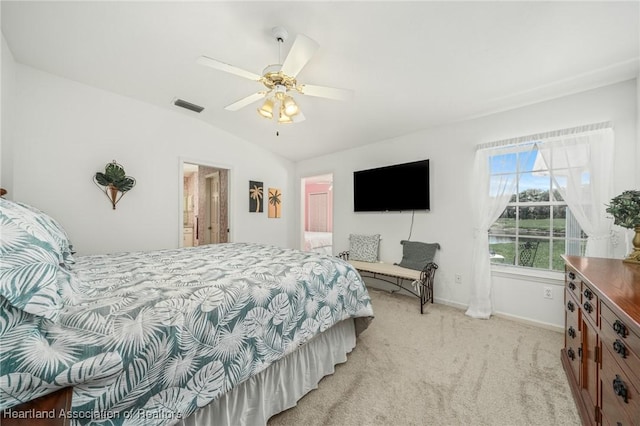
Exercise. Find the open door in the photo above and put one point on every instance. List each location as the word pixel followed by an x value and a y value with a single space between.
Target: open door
pixel 205 212
pixel 317 213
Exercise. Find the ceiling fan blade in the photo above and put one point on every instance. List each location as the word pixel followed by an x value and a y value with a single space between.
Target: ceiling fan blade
pixel 302 50
pixel 245 101
pixel 325 92
pixel 213 63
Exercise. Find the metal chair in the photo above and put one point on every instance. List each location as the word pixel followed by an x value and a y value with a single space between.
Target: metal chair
pixel 527 253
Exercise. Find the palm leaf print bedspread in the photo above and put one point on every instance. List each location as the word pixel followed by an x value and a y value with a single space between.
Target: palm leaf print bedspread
pixel 148 337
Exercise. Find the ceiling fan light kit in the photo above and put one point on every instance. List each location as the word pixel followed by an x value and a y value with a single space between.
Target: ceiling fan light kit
pixel 266 110
pixel 280 80
pixel 283 118
pixel 290 106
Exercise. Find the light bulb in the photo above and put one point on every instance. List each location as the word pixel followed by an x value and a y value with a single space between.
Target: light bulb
pixel 283 118
pixel 290 106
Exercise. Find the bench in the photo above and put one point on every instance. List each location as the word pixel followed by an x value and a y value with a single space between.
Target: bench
pixel 422 280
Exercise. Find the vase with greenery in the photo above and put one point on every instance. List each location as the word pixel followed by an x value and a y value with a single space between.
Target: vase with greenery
pixel 115 181
pixel 625 209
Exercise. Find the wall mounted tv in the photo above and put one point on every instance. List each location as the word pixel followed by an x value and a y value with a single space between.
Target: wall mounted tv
pixel 392 188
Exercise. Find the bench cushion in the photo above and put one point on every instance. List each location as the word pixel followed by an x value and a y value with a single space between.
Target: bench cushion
pixel 386 269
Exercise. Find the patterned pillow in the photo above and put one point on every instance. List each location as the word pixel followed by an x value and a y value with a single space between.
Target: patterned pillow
pixel 31 277
pixel 416 255
pixel 364 247
pixel 57 233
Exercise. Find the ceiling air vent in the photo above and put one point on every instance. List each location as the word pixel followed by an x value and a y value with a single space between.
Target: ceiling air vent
pixel 188 105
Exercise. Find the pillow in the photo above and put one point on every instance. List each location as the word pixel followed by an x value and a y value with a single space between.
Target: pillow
pixel 31 277
pixel 364 247
pixel 56 231
pixel 416 255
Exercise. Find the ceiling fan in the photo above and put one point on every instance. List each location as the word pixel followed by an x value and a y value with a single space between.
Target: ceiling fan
pixel 280 80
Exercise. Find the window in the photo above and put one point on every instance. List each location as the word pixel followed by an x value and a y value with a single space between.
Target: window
pixel 537 197
pixel 537 226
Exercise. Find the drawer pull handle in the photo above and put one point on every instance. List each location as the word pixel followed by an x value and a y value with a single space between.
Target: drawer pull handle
pixel 571 354
pixel 620 388
pixel 588 294
pixel 572 286
pixel 587 307
pixel 620 328
pixel 572 332
pixel 570 306
pixel 620 348
pixel 572 276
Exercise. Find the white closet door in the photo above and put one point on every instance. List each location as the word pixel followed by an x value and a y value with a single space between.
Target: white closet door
pixel 318 208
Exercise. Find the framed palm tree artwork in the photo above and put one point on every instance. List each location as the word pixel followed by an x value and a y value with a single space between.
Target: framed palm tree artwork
pixel 275 199
pixel 255 197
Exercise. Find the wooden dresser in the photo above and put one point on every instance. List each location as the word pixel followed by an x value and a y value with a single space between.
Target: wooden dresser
pixel 601 354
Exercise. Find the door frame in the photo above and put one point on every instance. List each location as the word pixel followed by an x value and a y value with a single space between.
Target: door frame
pixel 303 209
pixel 230 203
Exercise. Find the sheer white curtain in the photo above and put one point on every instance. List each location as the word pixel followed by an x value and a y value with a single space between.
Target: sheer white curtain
pixel 586 155
pixel 583 166
pixel 490 200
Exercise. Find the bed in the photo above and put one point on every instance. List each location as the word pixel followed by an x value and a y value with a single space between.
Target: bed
pixel 319 242
pixel 219 334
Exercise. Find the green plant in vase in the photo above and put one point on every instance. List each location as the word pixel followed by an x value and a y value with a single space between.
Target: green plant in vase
pixel 625 209
pixel 115 181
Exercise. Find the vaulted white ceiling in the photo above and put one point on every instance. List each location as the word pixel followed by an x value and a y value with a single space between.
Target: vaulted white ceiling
pixel 411 65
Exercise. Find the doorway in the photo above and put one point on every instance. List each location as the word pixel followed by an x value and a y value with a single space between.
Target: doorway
pixel 317 213
pixel 205 205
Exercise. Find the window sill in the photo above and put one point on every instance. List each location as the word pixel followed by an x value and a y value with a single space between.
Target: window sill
pixel 529 274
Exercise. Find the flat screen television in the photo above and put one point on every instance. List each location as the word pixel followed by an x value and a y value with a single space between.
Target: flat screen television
pixel 392 188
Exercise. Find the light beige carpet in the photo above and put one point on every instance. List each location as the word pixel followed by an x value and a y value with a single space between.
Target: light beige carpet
pixel 441 368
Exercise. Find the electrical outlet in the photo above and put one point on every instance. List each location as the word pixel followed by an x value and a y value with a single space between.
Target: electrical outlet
pixel 458 278
pixel 548 293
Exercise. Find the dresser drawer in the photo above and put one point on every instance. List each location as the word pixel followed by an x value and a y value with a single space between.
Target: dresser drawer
pixel 572 331
pixel 572 336
pixel 611 323
pixel 620 398
pixel 590 305
pixel 573 283
pixel 571 307
pixel 620 351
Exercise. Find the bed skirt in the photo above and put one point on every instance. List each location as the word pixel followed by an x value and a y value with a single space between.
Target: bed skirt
pixel 280 386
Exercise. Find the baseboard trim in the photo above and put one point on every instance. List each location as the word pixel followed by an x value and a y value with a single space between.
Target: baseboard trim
pixel 463 307
pixel 545 325
pixel 528 321
pixel 451 303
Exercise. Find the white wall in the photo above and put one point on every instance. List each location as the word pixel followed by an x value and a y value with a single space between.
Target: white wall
pixel 7 96
pixel 65 132
pixel 450 149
